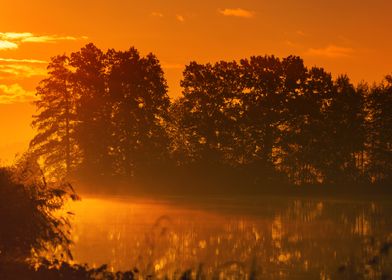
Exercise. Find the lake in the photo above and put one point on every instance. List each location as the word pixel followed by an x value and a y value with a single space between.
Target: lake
pixel 236 238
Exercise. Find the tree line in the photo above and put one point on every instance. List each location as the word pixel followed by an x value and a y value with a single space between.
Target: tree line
pixel 260 120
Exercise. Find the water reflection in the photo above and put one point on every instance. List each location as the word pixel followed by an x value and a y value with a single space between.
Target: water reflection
pixel 236 239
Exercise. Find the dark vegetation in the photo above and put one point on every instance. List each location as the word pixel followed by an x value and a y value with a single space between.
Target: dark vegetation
pixel 256 125
pixel 28 208
pixel 35 235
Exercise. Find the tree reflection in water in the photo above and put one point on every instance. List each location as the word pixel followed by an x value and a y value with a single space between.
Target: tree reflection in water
pixel 237 239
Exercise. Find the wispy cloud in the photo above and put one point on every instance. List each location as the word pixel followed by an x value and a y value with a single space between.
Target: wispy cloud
pixel 157 14
pixel 12 40
pixel 23 60
pixel 7 45
pixel 301 33
pixel 238 12
pixel 180 18
pixel 291 44
pixel 21 70
pixel 15 93
pixel 50 39
pixel 15 35
pixel 330 51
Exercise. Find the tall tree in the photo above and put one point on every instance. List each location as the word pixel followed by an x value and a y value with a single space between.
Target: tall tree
pixel 271 85
pixel 303 135
pixel 93 128
pixel 262 78
pixel 380 132
pixel 209 111
pixel 138 93
pixel 345 126
pixel 55 120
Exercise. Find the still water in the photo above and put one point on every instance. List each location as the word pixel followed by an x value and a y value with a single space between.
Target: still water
pixel 236 238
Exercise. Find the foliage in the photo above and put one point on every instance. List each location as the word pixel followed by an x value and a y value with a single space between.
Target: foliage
pixel 55 120
pixel 262 120
pixel 28 206
pixel 272 116
pixel 101 114
pixel 380 132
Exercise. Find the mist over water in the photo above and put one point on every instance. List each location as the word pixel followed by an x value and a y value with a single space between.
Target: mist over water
pixel 273 238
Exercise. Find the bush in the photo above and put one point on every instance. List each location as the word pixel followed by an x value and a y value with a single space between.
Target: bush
pixel 29 225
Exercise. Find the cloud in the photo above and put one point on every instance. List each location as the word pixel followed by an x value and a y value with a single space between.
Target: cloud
pixel 12 40
pixel 7 45
pixel 291 44
pixel 14 35
pixel 22 60
pixel 301 33
pixel 21 70
pixel 238 12
pixel 331 51
pixel 157 14
pixel 50 39
pixel 15 93
pixel 180 18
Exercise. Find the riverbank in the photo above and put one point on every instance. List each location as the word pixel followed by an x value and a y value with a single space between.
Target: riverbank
pixel 200 191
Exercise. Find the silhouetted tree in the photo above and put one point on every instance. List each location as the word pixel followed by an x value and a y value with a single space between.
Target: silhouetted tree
pixel 102 112
pixel 380 132
pixel 55 120
pixel 93 109
pixel 271 85
pixel 260 119
pixel 345 137
pixel 210 111
pixel 138 95
pixel 262 76
pixel 303 135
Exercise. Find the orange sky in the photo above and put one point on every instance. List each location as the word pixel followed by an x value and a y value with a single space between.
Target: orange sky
pixel 352 37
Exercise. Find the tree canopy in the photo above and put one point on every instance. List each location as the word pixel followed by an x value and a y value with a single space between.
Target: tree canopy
pixel 102 113
pixel 260 119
